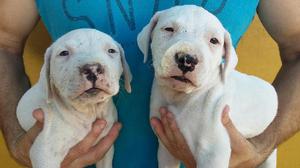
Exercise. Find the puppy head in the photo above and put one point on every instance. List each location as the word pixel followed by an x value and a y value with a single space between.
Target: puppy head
pixel 191 49
pixel 84 67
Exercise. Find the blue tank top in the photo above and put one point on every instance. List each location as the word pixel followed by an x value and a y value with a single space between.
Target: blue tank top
pixel 136 146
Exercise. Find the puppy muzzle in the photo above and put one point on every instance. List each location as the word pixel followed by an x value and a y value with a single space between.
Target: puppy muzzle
pixel 183 55
pixel 94 80
pixel 180 66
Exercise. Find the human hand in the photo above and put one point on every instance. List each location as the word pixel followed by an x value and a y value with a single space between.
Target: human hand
pixel 245 153
pixel 169 134
pixel 22 144
pixel 84 153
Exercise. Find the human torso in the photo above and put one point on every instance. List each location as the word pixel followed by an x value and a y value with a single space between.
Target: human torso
pixel 136 145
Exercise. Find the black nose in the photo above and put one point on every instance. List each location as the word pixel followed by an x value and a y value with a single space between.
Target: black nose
pixel 91 71
pixel 186 62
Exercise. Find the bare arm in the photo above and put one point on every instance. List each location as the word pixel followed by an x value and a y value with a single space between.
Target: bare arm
pixel 17 20
pixel 283 23
pixel 281 20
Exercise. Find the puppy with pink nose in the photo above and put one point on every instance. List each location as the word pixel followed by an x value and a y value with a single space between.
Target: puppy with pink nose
pixel 195 77
pixel 80 75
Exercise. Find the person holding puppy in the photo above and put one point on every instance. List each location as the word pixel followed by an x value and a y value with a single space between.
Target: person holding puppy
pixel 123 20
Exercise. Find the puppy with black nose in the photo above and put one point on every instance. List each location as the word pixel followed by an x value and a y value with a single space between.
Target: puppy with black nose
pixel 80 75
pixel 195 77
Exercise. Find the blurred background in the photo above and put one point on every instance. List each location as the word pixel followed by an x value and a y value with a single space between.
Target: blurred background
pixel 258 55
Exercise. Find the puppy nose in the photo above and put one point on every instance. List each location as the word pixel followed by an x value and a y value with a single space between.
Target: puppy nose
pixel 91 71
pixel 186 62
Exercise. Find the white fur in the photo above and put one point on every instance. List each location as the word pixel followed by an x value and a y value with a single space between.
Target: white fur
pixel 60 92
pixel 197 105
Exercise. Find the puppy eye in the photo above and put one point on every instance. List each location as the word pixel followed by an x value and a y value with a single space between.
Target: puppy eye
pixel 64 53
pixel 111 51
pixel 214 41
pixel 169 29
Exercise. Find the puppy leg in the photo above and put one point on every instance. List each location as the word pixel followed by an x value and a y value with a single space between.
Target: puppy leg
pixel 42 154
pixel 271 161
pixel 51 145
pixel 165 159
pixel 214 152
pixel 214 159
pixel 106 161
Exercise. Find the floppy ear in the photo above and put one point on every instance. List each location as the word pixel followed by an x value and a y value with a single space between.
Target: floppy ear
pixel 230 58
pixel 45 73
pixel 126 70
pixel 144 36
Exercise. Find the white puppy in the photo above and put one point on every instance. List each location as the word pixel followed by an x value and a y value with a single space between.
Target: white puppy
pixel 80 75
pixel 195 77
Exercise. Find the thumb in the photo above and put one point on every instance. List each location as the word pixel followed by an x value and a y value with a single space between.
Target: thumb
pixel 236 138
pixel 38 114
pixel 34 131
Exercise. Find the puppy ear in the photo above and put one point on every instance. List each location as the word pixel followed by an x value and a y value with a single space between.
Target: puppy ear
pixel 144 36
pixel 126 70
pixel 230 58
pixel 45 73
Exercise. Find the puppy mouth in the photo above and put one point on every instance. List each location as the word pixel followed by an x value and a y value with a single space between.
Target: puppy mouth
pixel 93 91
pixel 182 79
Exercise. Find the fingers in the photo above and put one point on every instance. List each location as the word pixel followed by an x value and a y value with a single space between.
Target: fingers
pixel 167 129
pixel 174 129
pixel 84 145
pixel 34 131
pixel 243 153
pixel 225 117
pixel 38 114
pixel 24 141
pixel 100 149
pixel 166 124
pixel 107 141
pixel 236 138
pixel 170 135
pixel 160 132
